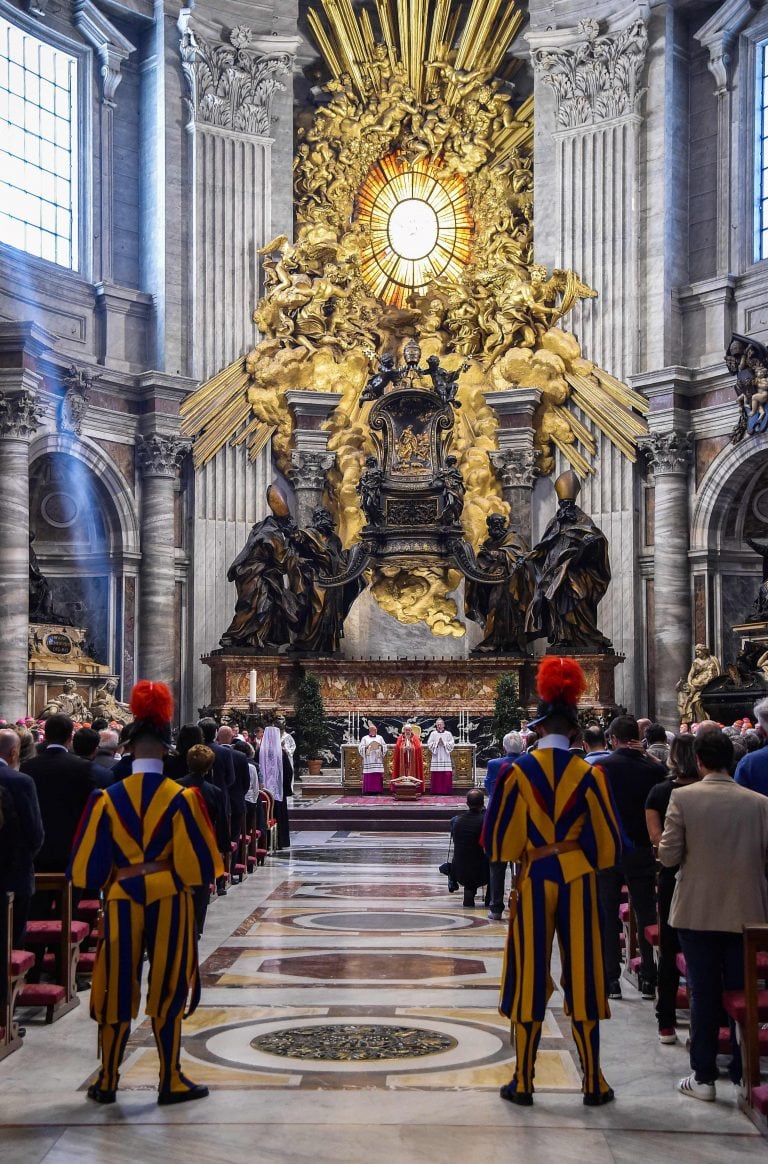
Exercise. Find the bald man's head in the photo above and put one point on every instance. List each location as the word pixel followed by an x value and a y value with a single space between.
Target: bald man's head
pixel 10 747
pixel 225 735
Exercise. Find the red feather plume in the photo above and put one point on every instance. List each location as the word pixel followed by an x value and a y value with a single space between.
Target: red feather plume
pixel 560 680
pixel 152 701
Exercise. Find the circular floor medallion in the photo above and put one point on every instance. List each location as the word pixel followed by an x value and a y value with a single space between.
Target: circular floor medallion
pixel 344 1042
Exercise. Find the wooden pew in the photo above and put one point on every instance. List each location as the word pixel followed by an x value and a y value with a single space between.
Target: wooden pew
pixel 749 1010
pixel 18 963
pixel 65 936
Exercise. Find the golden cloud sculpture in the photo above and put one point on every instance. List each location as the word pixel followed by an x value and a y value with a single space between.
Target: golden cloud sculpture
pixel 414 216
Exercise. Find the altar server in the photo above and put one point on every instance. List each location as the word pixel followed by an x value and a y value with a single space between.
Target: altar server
pixel 146 841
pixel 554 814
pixel 441 743
pixel 372 748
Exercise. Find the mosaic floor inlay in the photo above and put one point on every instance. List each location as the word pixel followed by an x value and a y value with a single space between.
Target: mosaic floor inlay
pixel 353 1042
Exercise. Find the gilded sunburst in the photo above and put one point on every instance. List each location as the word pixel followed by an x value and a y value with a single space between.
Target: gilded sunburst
pixel 418 224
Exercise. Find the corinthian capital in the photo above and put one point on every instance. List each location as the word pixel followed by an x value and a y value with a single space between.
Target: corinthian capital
pixel 20 414
pixel 160 456
pixel 594 78
pixel 667 452
pixel 516 468
pixel 308 469
pixel 231 85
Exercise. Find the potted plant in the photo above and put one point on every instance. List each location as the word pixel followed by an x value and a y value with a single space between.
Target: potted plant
pixel 507 712
pixel 311 726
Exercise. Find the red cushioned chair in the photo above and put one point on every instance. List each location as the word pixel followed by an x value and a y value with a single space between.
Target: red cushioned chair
pixel 65 937
pixel 18 964
pixel 749 1010
pixel 269 809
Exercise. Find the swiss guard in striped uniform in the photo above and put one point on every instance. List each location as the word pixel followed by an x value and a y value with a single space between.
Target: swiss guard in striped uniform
pixel 146 841
pixel 554 815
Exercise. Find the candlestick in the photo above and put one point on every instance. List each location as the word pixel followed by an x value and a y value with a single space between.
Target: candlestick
pixel 252 687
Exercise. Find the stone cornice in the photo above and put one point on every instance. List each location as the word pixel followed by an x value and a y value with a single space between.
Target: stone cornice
pixel 111 46
pixel 720 34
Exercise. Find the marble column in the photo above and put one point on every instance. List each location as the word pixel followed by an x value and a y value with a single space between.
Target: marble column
pixel 307 475
pixel 310 460
pixel 159 457
pixel 669 454
pixel 20 416
pixel 515 459
pixel 516 469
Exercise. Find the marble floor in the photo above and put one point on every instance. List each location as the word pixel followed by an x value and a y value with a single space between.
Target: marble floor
pixel 349 1015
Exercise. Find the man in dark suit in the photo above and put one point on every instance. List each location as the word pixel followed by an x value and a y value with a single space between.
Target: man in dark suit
pixel 631 775
pixel 222 775
pixel 240 786
pixel 85 743
pixel 19 877
pixel 223 771
pixel 63 783
pixel 470 864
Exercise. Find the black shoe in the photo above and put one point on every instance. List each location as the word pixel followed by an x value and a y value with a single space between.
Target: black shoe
pixel 101 1094
pixel 453 887
pixel 598 1098
pixel 521 1098
pixel 614 989
pixel 196 1091
pixel 647 989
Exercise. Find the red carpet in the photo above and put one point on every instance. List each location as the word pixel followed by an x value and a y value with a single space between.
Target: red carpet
pixel 385 798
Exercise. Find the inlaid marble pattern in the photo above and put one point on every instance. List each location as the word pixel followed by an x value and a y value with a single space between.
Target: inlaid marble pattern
pixel 339 934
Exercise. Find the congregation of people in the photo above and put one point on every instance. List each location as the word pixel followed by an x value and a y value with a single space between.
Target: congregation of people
pixel 578 817
pixel 676 822
pixel 52 773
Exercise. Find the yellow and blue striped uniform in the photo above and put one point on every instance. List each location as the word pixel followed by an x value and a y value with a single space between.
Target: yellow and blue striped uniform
pixel 542 798
pixel 143 819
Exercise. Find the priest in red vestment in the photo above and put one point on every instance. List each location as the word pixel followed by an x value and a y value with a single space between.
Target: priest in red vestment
pixel 408 762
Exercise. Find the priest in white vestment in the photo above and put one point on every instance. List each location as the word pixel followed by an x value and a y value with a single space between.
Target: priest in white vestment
pixel 441 743
pixel 372 748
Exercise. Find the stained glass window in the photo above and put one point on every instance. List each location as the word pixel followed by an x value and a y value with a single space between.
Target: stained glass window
pixel 38 147
pixel 418 223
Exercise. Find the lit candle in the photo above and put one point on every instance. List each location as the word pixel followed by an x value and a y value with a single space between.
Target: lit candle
pixel 252 688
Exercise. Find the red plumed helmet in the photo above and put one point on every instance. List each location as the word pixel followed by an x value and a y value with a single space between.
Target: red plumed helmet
pixel 152 703
pixel 560 680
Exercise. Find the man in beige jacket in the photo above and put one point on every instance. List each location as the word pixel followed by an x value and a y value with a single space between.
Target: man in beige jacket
pixel 717 833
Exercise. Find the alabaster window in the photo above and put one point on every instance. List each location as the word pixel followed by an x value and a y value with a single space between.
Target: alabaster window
pixel 761 154
pixel 38 147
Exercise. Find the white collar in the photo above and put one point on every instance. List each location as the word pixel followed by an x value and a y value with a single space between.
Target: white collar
pixel 554 741
pixel 147 766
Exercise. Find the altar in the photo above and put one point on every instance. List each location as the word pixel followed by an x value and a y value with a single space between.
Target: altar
pixel 463 758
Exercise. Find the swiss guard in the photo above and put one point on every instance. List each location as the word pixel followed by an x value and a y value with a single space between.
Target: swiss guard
pixel 146 842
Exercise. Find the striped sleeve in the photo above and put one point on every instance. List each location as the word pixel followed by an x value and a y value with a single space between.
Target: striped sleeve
pixel 505 828
pixel 196 859
pixel 93 850
pixel 601 836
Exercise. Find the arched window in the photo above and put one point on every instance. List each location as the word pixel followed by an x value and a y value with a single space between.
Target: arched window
pixel 39 202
